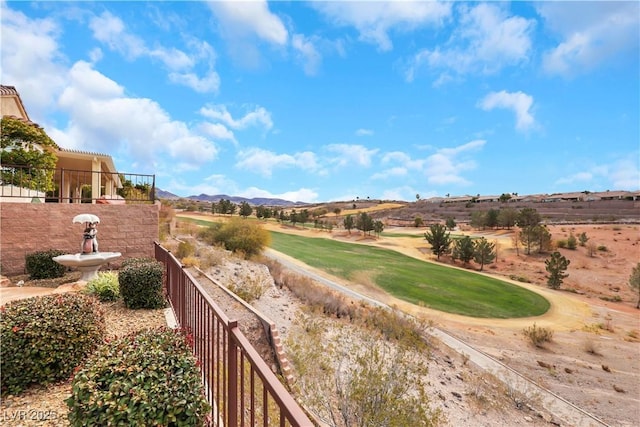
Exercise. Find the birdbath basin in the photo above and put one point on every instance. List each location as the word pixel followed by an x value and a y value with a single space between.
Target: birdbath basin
pixel 87 264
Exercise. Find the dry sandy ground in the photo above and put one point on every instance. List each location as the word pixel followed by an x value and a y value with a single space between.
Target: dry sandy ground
pixel 593 360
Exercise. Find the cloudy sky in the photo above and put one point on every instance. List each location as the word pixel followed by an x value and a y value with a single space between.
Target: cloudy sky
pixel 320 101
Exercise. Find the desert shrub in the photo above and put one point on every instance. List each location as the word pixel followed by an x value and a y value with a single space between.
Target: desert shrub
pixel 519 278
pixel 185 249
pixel 40 265
pixel 572 242
pixel 141 284
pixel 561 243
pixel 249 288
pixel 190 261
pixel 240 236
pixel 209 234
pixel 146 378
pixel 210 257
pixel 602 248
pixel 44 338
pixel 538 335
pixel 104 286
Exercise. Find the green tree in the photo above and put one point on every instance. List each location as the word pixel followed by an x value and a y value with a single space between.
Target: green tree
pixel 572 242
pixel 556 266
pixel 492 218
pixel 543 238
pixel 348 223
pixel 478 219
pixel 463 249
pixel 484 252
pixel 245 209
pixel 583 239
pixel 364 223
pixel 450 222
pixel 507 218
pixel 337 211
pixel 505 197
pixel 528 221
pixel 293 217
pixel 30 149
pixel 418 222
pixel 439 239
pixel 634 281
pixel 303 216
pixel 378 227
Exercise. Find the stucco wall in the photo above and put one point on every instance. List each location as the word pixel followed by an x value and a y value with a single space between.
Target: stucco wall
pixel 31 227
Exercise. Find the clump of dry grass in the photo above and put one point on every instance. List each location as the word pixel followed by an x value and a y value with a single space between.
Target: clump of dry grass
pixel 538 336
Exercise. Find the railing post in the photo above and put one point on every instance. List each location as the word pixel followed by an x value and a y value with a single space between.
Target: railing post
pixel 232 377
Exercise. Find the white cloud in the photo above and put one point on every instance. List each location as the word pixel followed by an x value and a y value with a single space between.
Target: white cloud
pixel 307 53
pixel 110 30
pixel 599 32
pixel 621 174
pixel 242 18
pixel 301 195
pixel 264 162
pixel 519 102
pixel 102 118
pixel 219 113
pixel 217 131
pixel 374 20
pixel 390 173
pixel 447 165
pixel 486 40
pixel 30 51
pixel 351 154
pixel 364 132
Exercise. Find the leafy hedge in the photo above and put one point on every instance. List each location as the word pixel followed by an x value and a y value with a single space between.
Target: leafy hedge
pixel 145 378
pixel 44 338
pixel 40 265
pixel 140 282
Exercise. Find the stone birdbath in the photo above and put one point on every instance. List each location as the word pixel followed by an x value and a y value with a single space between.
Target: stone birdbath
pixel 89 260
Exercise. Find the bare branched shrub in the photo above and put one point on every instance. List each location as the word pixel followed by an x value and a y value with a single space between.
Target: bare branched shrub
pixel 211 257
pixel 363 381
pixel 249 287
pixel 538 335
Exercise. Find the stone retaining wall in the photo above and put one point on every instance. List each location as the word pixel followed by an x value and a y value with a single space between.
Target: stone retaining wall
pixel 31 227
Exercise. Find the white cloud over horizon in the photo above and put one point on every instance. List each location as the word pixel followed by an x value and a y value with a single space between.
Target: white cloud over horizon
pixel 487 40
pixel 519 102
pixel 601 31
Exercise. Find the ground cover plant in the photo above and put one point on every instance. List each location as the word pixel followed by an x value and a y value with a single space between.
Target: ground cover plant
pixel 435 286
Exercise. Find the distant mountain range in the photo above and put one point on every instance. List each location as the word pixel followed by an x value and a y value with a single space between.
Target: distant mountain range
pixel 256 201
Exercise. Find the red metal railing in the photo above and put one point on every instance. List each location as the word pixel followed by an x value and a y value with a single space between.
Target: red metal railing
pixel 241 388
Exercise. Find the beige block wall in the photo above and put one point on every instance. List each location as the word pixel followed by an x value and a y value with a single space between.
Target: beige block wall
pixel 32 227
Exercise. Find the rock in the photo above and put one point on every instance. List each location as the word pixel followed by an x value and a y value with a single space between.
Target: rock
pixel 4 282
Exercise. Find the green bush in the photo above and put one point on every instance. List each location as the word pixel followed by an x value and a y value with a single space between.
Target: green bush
pixel 44 338
pixel 104 286
pixel 185 249
pixel 136 261
pixel 146 378
pixel 561 244
pixel 40 265
pixel 141 284
pixel 238 235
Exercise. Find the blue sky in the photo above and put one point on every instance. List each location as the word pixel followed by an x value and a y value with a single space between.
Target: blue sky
pixel 321 101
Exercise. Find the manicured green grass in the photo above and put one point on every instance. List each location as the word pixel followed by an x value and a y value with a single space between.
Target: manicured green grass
pixel 419 282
